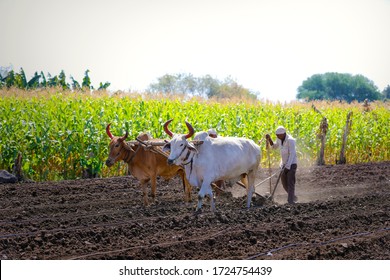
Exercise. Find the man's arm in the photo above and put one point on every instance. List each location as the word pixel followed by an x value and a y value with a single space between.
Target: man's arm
pixel 272 144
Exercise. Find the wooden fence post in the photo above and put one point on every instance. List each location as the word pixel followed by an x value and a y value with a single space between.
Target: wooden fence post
pixel 17 169
pixel 322 136
pixel 347 128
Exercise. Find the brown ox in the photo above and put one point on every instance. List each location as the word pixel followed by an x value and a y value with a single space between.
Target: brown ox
pixel 144 164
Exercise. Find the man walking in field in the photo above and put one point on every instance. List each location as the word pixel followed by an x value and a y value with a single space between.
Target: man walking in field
pixel 286 143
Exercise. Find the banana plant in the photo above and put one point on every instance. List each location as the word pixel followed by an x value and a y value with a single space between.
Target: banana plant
pixel 9 78
pixel 104 86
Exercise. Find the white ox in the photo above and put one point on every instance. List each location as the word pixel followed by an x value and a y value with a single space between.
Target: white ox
pixel 214 159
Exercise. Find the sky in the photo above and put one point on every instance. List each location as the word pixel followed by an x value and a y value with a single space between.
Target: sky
pixel 267 46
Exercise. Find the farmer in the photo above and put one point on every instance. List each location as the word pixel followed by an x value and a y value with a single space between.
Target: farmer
pixel 286 143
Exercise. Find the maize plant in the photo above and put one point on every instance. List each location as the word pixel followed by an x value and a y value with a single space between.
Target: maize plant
pixel 61 133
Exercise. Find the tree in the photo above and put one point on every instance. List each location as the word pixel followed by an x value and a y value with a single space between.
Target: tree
pixel 4 73
pixel 165 84
pixel 337 86
pixel 205 86
pixel 230 88
pixel 34 81
pixel 44 82
pixel 10 79
pixel 187 83
pixel 208 86
pixel 62 80
pixel 75 84
pixel 20 79
pixel 104 86
pixel 386 92
pixel 52 81
pixel 86 81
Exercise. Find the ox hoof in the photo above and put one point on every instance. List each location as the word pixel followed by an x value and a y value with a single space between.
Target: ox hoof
pixel 198 212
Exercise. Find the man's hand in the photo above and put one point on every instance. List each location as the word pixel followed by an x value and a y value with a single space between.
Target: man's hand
pixel 269 140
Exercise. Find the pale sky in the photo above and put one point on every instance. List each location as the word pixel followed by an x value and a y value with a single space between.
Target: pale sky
pixel 269 46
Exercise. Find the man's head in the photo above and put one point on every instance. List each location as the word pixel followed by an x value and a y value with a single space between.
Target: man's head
pixel 280 132
pixel 212 133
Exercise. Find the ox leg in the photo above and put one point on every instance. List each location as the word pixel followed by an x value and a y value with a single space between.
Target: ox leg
pixel 249 191
pixel 250 187
pixel 199 206
pixel 144 185
pixel 205 190
pixel 153 182
pixel 186 186
pixel 212 200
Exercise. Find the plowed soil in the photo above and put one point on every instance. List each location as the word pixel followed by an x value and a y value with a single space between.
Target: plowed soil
pixel 343 212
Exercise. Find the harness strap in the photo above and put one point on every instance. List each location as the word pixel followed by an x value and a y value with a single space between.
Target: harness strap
pixel 190 162
pixel 128 160
pixel 187 156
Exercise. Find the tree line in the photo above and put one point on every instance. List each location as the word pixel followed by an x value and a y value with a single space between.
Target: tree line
pixel 204 86
pixel 328 86
pixel 10 78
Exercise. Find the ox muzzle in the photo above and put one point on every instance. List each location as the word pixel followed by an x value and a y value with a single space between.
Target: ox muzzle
pixel 110 162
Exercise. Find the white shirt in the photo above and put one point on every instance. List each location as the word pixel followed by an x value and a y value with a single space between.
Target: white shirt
pixel 287 151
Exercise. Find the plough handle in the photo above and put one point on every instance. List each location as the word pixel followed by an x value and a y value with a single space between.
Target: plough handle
pixel 277 182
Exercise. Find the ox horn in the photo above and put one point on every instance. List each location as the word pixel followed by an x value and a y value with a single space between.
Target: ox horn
pixel 166 129
pixel 108 131
pixel 190 129
pixel 123 138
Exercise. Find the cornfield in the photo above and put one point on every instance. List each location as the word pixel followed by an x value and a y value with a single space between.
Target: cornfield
pixel 61 134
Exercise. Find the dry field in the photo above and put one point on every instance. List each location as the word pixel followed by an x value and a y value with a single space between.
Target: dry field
pixel 343 213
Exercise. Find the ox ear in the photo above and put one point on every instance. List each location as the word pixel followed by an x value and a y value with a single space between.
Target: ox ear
pixel 197 142
pixel 191 147
pixel 167 147
pixel 128 147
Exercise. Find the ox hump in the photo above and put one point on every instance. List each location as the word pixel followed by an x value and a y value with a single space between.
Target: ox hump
pixel 144 136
